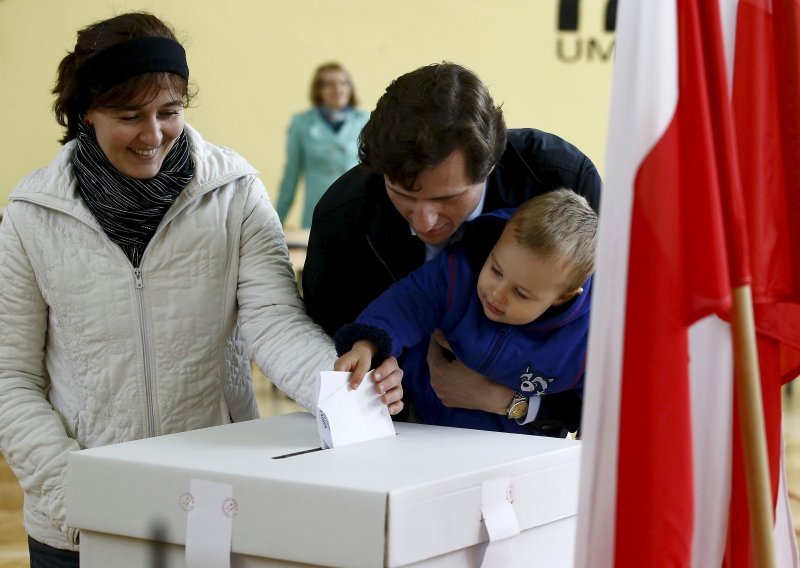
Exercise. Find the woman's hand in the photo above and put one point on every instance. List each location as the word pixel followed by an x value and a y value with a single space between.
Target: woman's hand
pixel 388 379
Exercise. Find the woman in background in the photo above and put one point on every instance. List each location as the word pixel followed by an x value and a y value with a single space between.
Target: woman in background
pixel 136 268
pixel 323 141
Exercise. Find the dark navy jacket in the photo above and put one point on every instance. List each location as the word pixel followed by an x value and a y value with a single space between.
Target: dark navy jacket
pixel 359 244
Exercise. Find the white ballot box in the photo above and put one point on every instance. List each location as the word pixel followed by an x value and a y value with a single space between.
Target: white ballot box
pixel 414 499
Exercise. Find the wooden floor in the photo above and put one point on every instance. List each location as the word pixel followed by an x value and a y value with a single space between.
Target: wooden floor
pixel 13 546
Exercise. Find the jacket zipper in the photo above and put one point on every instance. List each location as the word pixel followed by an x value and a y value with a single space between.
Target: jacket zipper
pixel 380 258
pixel 148 384
pixel 501 336
pixel 137 274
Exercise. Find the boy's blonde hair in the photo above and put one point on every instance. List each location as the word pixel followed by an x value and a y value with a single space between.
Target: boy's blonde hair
pixel 561 226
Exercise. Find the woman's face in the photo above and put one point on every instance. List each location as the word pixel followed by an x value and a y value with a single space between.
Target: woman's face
pixel 335 89
pixel 136 138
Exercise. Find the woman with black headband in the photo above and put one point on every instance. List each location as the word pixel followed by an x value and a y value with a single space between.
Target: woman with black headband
pixel 135 268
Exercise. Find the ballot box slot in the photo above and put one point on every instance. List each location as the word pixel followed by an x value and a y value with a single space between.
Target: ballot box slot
pixel 300 453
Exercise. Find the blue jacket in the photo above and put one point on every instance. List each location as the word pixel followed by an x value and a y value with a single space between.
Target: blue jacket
pixel 543 357
pixel 318 154
pixel 356 224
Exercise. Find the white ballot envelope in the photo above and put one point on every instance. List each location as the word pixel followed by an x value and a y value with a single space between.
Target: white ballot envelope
pixel 346 416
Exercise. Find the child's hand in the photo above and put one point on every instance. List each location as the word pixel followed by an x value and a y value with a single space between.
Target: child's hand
pixel 387 377
pixel 357 361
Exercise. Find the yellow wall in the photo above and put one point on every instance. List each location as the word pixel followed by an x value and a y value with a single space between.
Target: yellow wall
pixel 252 61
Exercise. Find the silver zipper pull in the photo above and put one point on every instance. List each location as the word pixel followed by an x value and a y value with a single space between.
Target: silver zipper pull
pixel 137 277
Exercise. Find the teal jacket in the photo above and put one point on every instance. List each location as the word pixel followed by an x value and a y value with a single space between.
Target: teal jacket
pixel 318 154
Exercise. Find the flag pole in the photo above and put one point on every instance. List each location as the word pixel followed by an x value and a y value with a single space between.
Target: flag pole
pixel 747 384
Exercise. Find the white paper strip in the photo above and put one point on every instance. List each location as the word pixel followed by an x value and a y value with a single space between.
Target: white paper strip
pixel 209 524
pixel 501 523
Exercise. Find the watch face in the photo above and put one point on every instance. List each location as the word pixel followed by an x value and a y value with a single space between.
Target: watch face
pixel 518 409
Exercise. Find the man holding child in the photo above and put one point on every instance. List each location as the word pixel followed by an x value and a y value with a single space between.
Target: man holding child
pixel 434 154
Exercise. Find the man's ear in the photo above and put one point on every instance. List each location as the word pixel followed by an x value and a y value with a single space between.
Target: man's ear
pixel 567 296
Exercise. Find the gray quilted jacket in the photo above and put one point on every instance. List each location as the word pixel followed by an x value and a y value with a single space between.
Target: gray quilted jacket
pixel 93 352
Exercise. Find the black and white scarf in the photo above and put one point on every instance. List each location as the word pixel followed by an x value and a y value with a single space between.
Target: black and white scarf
pixel 128 209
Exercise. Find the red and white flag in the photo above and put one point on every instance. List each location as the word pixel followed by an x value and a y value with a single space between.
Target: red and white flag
pixel 656 473
pixel 766 106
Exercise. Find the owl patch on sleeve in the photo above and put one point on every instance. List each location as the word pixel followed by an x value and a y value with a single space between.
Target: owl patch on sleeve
pixel 534 383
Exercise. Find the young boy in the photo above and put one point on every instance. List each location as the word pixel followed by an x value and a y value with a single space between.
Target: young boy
pixel 519 315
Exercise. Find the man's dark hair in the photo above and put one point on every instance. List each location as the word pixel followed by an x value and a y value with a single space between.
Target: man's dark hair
pixel 427 114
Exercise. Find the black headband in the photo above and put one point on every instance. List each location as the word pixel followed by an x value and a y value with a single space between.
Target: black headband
pixel 122 61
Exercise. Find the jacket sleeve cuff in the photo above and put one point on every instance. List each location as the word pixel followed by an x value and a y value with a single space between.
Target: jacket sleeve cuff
pixel 349 333
pixel 559 411
pixel 534 403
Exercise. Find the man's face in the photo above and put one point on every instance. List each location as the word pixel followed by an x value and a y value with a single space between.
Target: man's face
pixel 441 200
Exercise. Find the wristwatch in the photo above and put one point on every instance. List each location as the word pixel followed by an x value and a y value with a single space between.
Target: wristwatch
pixel 518 407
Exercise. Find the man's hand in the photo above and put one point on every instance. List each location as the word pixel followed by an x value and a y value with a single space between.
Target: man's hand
pixel 458 386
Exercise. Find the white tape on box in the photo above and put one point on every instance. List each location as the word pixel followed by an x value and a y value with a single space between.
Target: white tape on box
pixel 209 523
pixel 501 523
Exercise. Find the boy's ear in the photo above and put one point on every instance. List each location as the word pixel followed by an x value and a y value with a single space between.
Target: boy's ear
pixel 567 296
